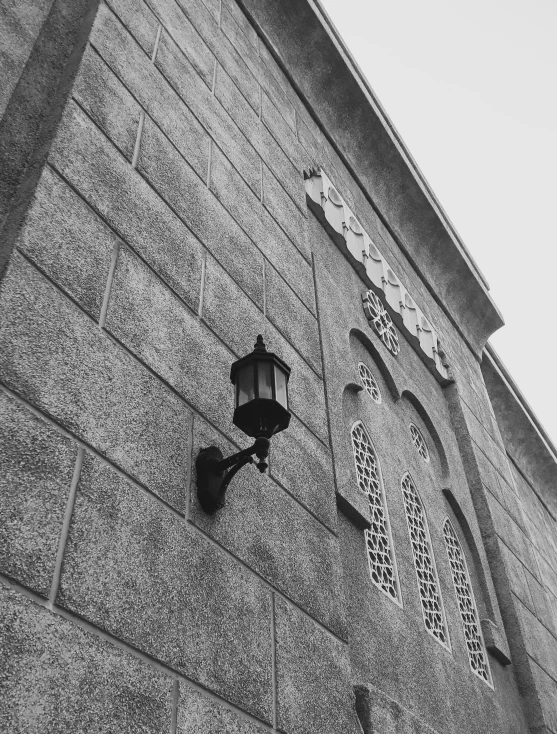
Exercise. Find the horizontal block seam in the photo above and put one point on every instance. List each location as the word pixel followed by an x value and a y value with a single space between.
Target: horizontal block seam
pixel 152 496
pixel 534 613
pixel 170 206
pixel 300 208
pixel 135 652
pixel 169 387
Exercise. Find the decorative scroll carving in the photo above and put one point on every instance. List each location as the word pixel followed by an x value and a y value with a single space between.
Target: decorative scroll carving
pixel 372 265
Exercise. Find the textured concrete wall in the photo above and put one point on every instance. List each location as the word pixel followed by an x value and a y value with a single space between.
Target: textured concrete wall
pixel 167 228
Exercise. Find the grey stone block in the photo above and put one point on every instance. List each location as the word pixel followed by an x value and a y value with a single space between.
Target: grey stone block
pixel 194 608
pixel 198 714
pixel 305 390
pixel 171 176
pixel 291 316
pixel 286 213
pixel 145 316
pixel 112 187
pixel 258 224
pixel 249 122
pixel 139 21
pixel 236 14
pixel 313 677
pixel 184 79
pixel 303 465
pixel 286 98
pixel 271 533
pixel 227 55
pixel 59 360
pixel 186 38
pixel 107 102
pixel 133 67
pixel 228 311
pixel 56 677
pixel 36 469
pixel 379 713
pixel 281 129
pixel 68 241
pixel 213 6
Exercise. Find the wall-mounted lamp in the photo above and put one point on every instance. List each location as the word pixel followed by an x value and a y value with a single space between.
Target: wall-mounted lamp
pixel 261 397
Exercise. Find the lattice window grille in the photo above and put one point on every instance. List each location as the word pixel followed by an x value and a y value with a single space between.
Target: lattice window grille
pixel 419 442
pixel 381 321
pixel 382 565
pixel 466 604
pixel 428 584
pixel 369 382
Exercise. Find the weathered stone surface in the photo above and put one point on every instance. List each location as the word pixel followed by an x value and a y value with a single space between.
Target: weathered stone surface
pixel 107 102
pixel 258 224
pixel 272 534
pixel 198 714
pixel 194 608
pixel 227 55
pixel 228 311
pixel 56 677
pixel 280 128
pixel 139 21
pixel 305 392
pixel 377 712
pixel 182 76
pixel 290 315
pixel 36 469
pixel 186 38
pixel 148 318
pixel 313 677
pixel 171 176
pixel 68 241
pixel 285 212
pixel 235 14
pixel 113 188
pixel 160 101
pixel 60 361
pixel 303 464
pixel 249 122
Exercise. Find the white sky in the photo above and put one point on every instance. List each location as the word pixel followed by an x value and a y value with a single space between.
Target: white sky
pixel 472 89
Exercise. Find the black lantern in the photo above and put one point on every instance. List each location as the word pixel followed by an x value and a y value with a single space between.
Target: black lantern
pixel 261 409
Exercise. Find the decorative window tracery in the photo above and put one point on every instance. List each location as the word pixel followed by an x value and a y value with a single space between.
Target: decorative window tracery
pixel 428 585
pixel 382 566
pixel 419 442
pixel 381 321
pixel 369 382
pixel 466 603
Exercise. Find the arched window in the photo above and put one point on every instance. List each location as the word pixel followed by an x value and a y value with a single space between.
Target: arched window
pixel 428 583
pixel 369 382
pixel 382 565
pixel 419 442
pixel 466 604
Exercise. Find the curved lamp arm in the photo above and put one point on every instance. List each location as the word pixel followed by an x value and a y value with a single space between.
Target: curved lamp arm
pixel 212 482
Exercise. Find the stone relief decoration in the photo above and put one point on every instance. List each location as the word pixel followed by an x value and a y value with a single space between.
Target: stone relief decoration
pixel 328 205
pixel 369 382
pixel 382 566
pixel 428 584
pixel 466 604
pixel 380 321
pixel 419 442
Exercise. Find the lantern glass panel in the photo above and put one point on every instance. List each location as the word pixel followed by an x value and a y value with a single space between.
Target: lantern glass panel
pixel 280 386
pixel 246 384
pixel 265 380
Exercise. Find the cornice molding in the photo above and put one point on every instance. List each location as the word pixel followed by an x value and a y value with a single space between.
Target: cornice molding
pixel 346 231
pixel 310 52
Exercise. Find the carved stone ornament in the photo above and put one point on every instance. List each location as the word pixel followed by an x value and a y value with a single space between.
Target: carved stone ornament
pixel 392 304
pixel 381 322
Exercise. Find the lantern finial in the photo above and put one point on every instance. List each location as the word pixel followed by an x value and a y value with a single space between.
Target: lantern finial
pixel 259 345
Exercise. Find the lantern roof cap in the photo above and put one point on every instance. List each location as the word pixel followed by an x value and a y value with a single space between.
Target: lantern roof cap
pixel 259 353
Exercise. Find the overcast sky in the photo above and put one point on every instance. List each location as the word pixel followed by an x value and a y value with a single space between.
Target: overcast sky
pixel 471 88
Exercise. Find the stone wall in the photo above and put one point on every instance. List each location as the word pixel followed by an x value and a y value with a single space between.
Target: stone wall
pixel 168 227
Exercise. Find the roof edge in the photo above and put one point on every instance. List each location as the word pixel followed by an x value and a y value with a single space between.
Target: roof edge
pixel 336 94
